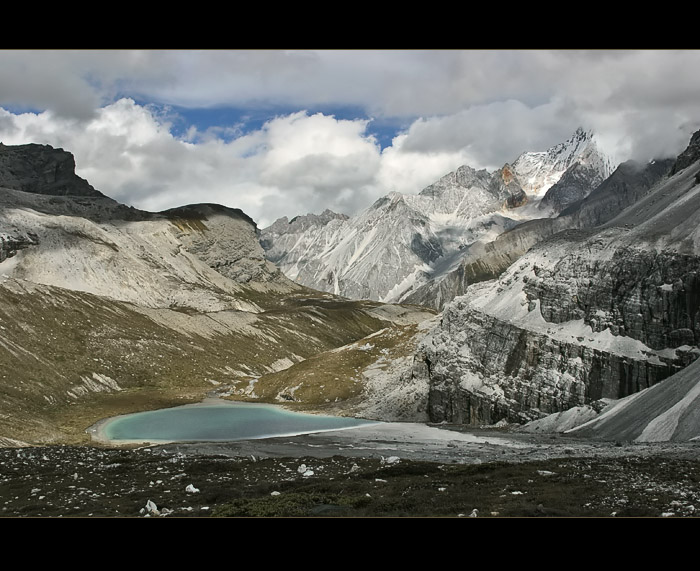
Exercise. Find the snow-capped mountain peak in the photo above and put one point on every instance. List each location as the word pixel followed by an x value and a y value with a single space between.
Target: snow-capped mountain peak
pixel 404 240
pixel 538 171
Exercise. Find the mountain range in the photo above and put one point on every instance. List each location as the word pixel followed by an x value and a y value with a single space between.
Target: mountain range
pixel 563 283
pixel 403 243
pixel 587 294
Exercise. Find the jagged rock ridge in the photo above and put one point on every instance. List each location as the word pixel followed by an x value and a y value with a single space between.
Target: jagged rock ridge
pixel 485 261
pixel 403 242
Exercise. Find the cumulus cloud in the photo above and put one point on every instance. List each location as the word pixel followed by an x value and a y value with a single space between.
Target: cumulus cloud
pixel 293 162
pixel 476 107
pixel 299 147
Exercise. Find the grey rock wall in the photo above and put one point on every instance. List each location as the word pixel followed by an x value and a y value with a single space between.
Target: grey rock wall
pixel 650 296
pixel 42 169
pixel 482 369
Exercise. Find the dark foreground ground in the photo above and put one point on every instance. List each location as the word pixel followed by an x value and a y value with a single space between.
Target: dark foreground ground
pixel 328 476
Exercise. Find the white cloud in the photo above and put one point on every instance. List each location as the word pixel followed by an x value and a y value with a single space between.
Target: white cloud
pixel 492 134
pixel 481 108
pixel 408 171
pixel 293 161
pixel 318 153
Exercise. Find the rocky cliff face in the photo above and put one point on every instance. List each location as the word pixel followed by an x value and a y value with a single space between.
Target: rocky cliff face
pixel 584 315
pixel 651 296
pixel 226 239
pixel 493 358
pixel 689 156
pixel 502 371
pixel 42 169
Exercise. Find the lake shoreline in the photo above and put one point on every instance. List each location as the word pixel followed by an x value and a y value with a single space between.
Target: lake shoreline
pixel 98 432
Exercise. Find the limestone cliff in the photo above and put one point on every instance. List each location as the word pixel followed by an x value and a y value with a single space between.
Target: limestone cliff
pixel 584 315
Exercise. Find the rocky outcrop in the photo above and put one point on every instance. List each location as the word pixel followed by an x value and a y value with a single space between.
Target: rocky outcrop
pixel 505 185
pixel 43 179
pixel 226 239
pixel 689 156
pixel 585 315
pixel 11 244
pixel 42 169
pixel 653 297
pixel 482 369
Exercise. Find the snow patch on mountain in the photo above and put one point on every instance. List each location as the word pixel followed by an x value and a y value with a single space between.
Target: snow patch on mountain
pixel 538 171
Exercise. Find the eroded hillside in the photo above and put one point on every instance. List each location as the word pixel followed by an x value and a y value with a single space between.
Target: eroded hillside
pixel 105 309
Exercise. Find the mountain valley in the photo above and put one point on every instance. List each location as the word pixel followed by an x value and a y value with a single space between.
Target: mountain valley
pixel 548 311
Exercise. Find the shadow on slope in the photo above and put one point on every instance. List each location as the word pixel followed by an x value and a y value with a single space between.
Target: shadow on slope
pixel 668 411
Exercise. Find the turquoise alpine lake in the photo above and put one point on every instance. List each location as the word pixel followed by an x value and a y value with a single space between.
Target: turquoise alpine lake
pixel 219 421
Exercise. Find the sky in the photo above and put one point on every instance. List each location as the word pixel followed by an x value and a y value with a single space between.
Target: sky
pixel 290 132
